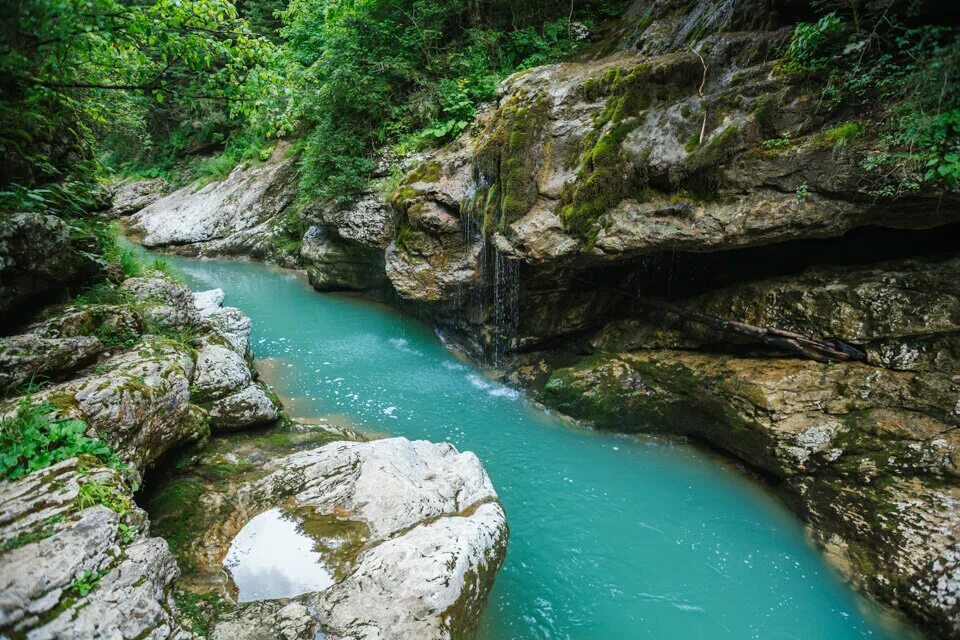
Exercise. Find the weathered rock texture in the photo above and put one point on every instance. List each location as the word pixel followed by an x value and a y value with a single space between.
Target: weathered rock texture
pixel 154 369
pixel 77 563
pixel 599 165
pixel 41 259
pixel 435 536
pixel 240 215
pixel 589 188
pixel 130 196
pixel 866 452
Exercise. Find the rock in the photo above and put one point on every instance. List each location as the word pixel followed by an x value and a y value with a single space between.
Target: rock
pixel 139 404
pixel 130 196
pixel 904 313
pixel 239 215
pixel 229 322
pixel 591 171
pixel 170 303
pixel 40 261
pixel 437 536
pixel 367 222
pixel 28 356
pixel 80 570
pixel 248 407
pixel 219 372
pixel 866 454
pixel 337 264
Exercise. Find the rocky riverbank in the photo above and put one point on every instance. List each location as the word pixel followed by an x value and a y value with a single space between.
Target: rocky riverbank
pixel 576 233
pixel 127 374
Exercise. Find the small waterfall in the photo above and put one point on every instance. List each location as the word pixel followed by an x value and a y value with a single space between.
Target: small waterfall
pixel 506 305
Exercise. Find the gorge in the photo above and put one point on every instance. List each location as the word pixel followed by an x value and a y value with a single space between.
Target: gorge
pixel 627 318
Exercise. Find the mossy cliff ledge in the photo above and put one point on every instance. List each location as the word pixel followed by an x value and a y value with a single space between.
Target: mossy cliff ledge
pixel 105 382
pixel 585 231
pixel 623 157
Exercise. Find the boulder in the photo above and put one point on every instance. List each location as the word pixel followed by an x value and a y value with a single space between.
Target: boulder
pixel 31 356
pixel 130 196
pixel 334 263
pixel 435 538
pixel 138 401
pixel 41 259
pixel 239 215
pixel 77 563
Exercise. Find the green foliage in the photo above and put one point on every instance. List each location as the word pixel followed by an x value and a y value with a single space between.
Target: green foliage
pixel 131 264
pixel 102 293
pixel 842 134
pixel 879 60
pixel 34 439
pixel 776 144
pixel 199 611
pixel 75 71
pixel 407 74
pixel 106 493
pixel 84 583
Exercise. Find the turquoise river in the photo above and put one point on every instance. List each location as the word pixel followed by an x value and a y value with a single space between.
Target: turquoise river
pixel 612 537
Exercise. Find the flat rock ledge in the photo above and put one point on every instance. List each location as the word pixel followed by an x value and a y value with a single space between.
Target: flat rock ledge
pixel 436 536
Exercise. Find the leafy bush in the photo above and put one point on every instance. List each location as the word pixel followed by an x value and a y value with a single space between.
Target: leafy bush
pixel 34 439
pixel 905 76
pixel 406 74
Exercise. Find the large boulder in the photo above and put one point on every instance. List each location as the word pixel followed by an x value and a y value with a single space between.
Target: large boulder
pixel 76 560
pixel 138 401
pixel 239 215
pixel 434 537
pixel 41 259
pixel 130 196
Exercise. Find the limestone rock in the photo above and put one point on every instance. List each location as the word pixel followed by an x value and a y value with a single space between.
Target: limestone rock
pixel 867 454
pixel 22 357
pixel 337 264
pixel 58 543
pixel 248 407
pixel 131 196
pixel 235 216
pixel 230 323
pixel 40 261
pixel 437 536
pixel 139 404
pixel 170 303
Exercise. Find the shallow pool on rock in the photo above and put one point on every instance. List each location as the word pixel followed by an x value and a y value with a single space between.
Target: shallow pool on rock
pixel 611 536
pixel 272 557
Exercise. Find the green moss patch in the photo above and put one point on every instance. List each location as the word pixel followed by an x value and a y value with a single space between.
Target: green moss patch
pixel 508 161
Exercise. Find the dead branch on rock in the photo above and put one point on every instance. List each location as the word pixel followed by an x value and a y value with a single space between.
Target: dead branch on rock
pixel 703 82
pixel 829 350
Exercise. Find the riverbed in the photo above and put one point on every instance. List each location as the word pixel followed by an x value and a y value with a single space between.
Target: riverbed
pixel 612 536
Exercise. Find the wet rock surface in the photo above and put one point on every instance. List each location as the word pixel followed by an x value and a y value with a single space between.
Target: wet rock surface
pixel 434 536
pixel 865 452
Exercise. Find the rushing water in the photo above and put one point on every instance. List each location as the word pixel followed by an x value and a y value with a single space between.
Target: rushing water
pixel 612 537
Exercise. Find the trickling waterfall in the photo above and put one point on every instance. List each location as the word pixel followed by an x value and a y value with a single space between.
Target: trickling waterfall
pixel 506 304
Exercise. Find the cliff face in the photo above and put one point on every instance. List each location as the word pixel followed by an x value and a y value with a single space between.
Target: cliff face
pixel 597 165
pixel 685 166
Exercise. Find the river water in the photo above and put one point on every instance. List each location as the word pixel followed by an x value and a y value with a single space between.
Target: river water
pixel 612 537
